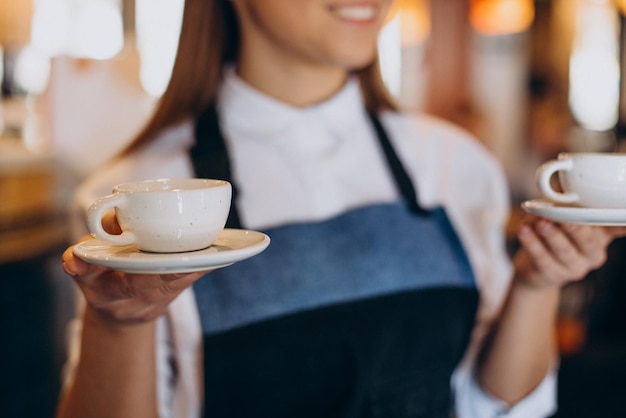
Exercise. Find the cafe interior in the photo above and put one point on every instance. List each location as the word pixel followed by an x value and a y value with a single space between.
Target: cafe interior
pixel 530 78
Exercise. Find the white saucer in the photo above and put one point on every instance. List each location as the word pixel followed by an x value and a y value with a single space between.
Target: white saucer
pixel 574 214
pixel 231 246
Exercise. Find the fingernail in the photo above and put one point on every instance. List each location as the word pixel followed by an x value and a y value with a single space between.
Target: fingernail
pixel 68 271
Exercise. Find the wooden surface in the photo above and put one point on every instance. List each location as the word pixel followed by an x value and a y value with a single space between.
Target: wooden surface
pixel 31 212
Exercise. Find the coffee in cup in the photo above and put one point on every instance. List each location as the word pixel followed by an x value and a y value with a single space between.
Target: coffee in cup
pixel 164 215
pixel 588 179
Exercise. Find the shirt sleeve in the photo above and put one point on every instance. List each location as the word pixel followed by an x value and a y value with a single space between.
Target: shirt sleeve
pixel 179 352
pixel 166 372
pixel 471 401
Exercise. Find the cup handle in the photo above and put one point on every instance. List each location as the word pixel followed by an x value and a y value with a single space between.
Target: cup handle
pixel 95 213
pixel 544 174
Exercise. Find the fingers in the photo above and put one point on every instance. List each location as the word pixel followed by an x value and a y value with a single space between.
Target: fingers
pixel 126 298
pixel 73 265
pixel 591 242
pixel 183 279
pixel 615 231
pixel 543 265
pixel 135 298
pixel 129 298
pixel 110 224
pixel 561 253
pixel 102 286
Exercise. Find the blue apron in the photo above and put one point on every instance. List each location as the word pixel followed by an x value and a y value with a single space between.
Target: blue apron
pixel 363 315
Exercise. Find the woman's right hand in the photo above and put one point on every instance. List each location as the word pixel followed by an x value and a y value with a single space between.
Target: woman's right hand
pixel 122 297
pixel 125 298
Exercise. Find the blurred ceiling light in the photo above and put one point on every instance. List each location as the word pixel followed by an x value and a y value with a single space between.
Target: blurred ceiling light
pixel 501 17
pixel 621 5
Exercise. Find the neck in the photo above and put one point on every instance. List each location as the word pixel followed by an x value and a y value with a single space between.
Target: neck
pixel 295 83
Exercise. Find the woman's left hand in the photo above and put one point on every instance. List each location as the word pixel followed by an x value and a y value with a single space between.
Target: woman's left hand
pixel 553 254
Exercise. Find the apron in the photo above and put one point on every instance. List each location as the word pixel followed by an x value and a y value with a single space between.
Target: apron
pixel 363 315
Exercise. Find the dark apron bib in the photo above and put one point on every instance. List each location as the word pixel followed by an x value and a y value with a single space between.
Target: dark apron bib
pixel 363 315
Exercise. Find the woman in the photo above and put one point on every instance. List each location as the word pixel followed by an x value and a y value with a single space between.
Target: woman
pixel 386 290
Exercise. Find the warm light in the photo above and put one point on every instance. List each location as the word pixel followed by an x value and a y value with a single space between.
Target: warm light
pixel 414 21
pixel 594 66
pixel 15 18
pixel 501 17
pixel 158 28
pixel 414 17
pixel 621 5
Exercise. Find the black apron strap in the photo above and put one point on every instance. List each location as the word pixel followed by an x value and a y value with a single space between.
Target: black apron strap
pixel 403 182
pixel 210 160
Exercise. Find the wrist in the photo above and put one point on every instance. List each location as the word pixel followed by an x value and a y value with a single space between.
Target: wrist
pixel 97 319
pixel 534 292
pixel 533 284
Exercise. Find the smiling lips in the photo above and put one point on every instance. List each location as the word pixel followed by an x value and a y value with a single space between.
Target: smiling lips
pixel 356 13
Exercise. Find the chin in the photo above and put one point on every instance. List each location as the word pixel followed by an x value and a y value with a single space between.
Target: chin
pixel 356 60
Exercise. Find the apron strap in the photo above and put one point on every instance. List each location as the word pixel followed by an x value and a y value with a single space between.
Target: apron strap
pixel 403 182
pixel 210 159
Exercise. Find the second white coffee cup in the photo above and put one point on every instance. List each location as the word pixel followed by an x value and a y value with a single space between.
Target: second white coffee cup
pixel 593 180
pixel 164 215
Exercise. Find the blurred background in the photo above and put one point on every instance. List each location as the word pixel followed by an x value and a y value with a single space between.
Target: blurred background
pixel 530 78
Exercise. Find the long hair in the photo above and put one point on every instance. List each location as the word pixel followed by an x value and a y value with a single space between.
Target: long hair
pixel 209 38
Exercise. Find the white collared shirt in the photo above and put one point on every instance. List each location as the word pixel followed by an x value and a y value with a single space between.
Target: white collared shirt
pixel 293 164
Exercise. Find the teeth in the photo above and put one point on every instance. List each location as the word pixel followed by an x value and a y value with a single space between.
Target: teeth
pixel 355 12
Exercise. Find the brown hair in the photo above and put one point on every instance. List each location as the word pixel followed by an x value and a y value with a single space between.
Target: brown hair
pixel 209 38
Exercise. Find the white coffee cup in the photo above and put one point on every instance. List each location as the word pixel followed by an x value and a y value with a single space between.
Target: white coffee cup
pixel 164 215
pixel 593 180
